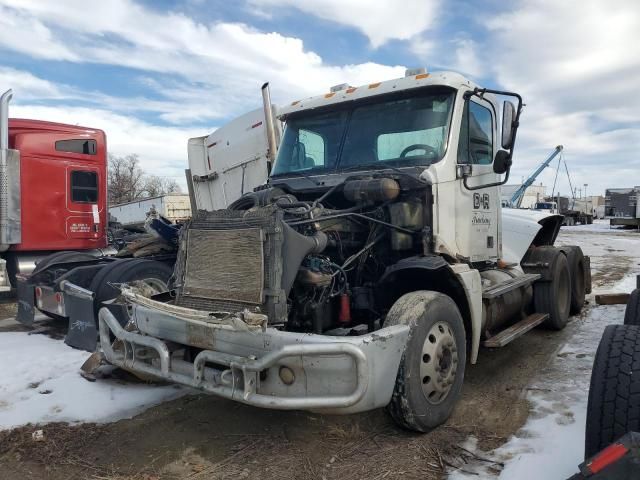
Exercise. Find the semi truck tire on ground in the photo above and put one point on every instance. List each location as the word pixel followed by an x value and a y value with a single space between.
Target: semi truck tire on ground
pixel 632 312
pixel 613 408
pixel 155 274
pixel 431 371
pixel 553 296
pixel 575 257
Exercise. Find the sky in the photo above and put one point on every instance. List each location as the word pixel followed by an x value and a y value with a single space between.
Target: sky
pixel 152 73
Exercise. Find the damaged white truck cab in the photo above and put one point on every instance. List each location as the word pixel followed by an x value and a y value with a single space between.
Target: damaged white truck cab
pixel 369 269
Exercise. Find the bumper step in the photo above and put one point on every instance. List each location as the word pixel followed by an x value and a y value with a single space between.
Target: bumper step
pixel 514 331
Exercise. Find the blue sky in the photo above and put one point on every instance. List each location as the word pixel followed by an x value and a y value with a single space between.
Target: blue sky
pixel 153 73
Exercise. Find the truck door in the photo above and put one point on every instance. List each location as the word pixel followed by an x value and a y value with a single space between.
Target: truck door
pixel 478 211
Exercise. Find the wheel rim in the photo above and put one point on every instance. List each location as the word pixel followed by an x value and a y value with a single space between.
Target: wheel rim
pixel 157 285
pixel 439 363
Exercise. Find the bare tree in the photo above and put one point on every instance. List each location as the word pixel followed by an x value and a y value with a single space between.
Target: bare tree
pixel 128 182
pixel 125 179
pixel 155 186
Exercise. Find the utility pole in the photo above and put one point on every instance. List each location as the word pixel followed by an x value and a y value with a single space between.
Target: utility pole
pixel 586 199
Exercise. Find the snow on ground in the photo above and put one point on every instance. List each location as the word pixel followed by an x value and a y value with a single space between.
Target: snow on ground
pixel 551 443
pixel 40 382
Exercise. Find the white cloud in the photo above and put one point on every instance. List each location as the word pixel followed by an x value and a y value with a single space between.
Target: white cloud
pixel 225 62
pixel 467 59
pixel 380 21
pixel 21 32
pixel 27 86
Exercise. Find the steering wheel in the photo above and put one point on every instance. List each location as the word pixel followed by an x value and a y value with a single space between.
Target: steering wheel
pixel 428 149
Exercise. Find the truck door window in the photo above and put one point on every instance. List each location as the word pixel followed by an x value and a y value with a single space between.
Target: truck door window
pixel 84 187
pixel 476 135
pixel 84 146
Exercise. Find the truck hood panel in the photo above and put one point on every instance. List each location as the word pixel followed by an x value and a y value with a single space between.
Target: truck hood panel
pixel 519 228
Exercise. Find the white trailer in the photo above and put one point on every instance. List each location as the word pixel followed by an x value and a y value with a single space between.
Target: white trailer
pixel 173 206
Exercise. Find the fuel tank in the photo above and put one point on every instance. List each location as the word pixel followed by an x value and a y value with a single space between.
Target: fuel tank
pixel 500 312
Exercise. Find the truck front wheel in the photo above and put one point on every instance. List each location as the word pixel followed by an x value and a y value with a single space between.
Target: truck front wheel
pixel 431 370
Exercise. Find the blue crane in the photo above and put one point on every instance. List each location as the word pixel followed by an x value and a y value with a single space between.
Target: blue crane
pixel 516 198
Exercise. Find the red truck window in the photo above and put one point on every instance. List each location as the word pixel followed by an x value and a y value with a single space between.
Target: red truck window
pixel 84 187
pixel 86 147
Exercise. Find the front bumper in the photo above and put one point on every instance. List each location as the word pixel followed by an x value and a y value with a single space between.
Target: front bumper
pixel 330 374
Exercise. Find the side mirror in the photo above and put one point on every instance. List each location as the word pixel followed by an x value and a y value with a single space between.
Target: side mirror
pixel 502 162
pixel 508 116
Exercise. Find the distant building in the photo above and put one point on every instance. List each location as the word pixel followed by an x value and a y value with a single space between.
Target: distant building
pixel 532 195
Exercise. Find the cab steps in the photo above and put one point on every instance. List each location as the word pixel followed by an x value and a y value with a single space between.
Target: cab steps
pixel 514 331
pixel 499 289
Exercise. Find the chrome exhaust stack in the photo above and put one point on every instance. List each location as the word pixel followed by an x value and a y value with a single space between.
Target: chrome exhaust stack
pixel 10 226
pixel 271 130
pixel 4 123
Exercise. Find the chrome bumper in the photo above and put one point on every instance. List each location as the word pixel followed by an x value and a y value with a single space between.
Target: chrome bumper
pixel 329 374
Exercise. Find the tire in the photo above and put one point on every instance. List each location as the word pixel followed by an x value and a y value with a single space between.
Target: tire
pixel 553 296
pixel 632 312
pixel 613 408
pixel 575 257
pixel 436 343
pixel 125 271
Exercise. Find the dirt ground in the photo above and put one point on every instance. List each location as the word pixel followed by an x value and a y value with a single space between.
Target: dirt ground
pixel 200 436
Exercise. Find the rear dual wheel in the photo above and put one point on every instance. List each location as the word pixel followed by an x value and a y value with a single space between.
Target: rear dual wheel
pixel 552 294
pixel 155 275
pixel 577 268
pixel 431 371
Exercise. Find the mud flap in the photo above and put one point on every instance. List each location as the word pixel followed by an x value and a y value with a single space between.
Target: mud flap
pixel 26 302
pixel 587 273
pixel 83 331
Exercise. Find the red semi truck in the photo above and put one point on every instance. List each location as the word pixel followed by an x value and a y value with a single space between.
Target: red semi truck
pixel 53 191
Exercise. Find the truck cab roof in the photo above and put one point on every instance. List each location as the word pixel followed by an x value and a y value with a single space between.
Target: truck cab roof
pixel 43 125
pixel 347 94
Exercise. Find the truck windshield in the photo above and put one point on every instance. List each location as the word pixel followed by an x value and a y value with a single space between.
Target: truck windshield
pixel 398 132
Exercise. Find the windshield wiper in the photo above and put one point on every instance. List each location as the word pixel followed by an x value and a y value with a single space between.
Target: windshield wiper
pixel 378 166
pixel 298 174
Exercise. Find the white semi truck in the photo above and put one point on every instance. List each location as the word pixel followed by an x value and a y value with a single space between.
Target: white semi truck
pixel 371 267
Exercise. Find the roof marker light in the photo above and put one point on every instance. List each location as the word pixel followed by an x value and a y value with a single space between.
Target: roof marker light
pixel 351 90
pixel 410 72
pixel 337 88
pixel 374 85
pixel 421 75
pixel 329 95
